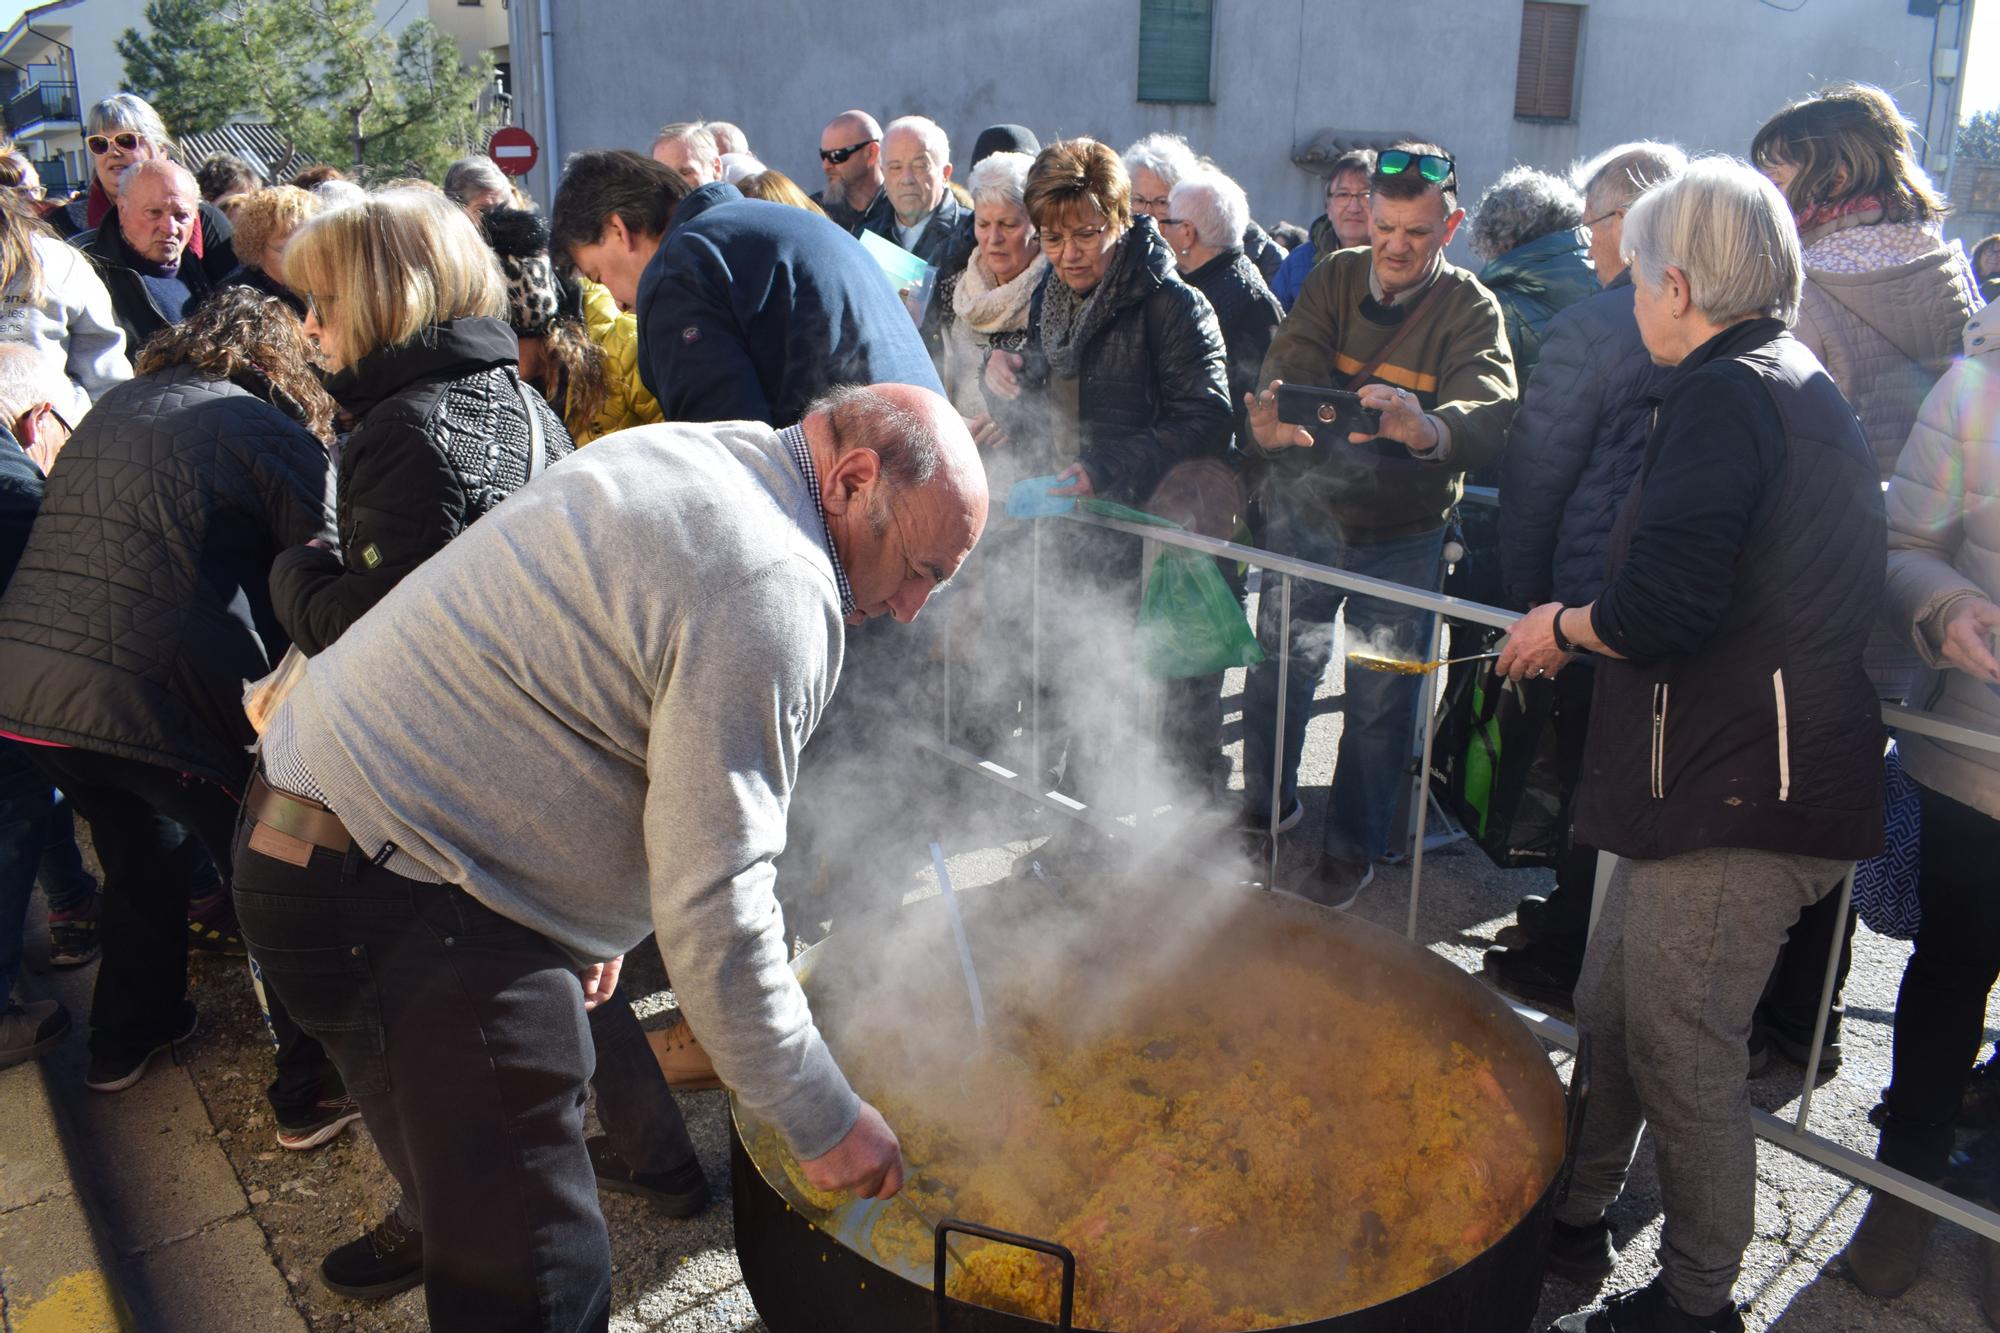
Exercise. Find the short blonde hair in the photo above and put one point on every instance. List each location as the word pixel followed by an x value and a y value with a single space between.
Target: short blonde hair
pixel 1725 226
pixel 391 266
pixel 265 214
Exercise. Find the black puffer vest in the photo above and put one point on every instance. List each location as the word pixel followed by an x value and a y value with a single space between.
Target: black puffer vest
pixel 1768 736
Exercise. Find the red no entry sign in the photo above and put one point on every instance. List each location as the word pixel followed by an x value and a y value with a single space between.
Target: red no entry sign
pixel 513 150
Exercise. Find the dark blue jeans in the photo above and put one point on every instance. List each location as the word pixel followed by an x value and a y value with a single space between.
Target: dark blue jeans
pixel 37 842
pixel 463 1038
pixel 1370 770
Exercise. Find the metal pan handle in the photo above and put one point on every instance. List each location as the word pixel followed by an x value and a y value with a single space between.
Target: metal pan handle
pixel 1057 1252
pixel 1575 1103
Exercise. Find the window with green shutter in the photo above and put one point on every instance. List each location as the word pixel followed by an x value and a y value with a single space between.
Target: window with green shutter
pixel 1174 42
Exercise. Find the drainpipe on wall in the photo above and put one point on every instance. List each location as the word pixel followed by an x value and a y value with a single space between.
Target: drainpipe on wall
pixel 549 149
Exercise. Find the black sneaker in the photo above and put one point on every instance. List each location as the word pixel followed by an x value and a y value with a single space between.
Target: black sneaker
pixel 1333 882
pixel 1534 974
pixel 1648 1310
pixel 681 1192
pixel 115 1074
pixel 1582 1255
pixel 28 1030
pixel 1257 818
pixel 73 936
pixel 319 1123
pixel 388 1260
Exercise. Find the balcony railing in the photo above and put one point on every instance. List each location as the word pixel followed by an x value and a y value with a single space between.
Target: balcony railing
pixel 43 102
pixel 55 178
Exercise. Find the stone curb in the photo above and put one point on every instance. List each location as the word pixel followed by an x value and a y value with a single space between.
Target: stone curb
pixel 53 1273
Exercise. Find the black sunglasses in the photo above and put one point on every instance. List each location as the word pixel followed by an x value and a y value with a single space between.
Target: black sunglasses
pixel 99 144
pixel 840 155
pixel 1430 166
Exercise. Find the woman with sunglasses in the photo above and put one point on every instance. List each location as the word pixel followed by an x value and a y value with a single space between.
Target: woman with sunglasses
pixel 121 130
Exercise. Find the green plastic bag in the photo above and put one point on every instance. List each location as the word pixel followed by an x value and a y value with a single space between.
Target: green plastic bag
pixel 1189 622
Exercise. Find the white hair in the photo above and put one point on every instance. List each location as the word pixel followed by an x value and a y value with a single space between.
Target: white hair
pixel 1214 205
pixel 1729 230
pixel 728 138
pixel 1000 178
pixel 1617 176
pixel 1165 155
pixel 27 380
pixel 470 177
pixel 932 133
pixel 339 194
pixel 735 166
pixel 696 135
pixel 128 111
pixel 134 172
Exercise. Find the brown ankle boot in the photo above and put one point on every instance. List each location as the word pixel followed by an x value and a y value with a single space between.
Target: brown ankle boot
pixel 1989 1287
pixel 1886 1255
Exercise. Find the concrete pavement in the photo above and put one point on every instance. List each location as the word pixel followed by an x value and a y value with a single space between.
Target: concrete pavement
pixel 209 1226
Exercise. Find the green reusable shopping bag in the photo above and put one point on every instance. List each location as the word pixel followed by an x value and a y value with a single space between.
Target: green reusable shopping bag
pixel 1189 621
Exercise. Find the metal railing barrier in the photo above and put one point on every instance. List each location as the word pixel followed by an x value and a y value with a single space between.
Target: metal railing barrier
pixel 1792 1135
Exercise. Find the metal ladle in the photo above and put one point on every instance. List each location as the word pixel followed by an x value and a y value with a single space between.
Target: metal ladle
pixel 1404 667
pixel 988 1054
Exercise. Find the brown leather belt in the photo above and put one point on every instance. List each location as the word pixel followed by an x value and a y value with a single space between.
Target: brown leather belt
pixel 287 827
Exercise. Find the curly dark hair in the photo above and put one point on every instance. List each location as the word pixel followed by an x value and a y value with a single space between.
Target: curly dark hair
pixel 237 334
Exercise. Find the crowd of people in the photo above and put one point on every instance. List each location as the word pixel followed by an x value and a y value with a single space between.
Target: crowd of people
pixel 561 528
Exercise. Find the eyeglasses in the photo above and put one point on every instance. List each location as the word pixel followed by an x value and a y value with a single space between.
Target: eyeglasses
pixel 1083 236
pixel 1349 196
pixel 1430 166
pixel 32 191
pixel 99 144
pixel 1588 223
pixel 1140 201
pixel 840 155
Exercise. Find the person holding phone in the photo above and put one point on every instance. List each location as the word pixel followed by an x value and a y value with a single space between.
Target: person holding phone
pixel 1421 343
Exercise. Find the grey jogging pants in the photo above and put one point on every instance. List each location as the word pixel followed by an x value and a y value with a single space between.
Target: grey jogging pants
pixel 1670 982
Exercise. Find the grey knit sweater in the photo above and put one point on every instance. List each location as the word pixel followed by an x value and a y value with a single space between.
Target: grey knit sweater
pixel 587 712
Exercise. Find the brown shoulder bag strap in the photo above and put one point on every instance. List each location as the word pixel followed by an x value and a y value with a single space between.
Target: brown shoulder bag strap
pixel 1410 321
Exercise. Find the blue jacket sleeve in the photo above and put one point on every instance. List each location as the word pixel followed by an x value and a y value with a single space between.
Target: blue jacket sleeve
pixel 691 353
pixel 1547 450
pixel 1291 274
pixel 1718 458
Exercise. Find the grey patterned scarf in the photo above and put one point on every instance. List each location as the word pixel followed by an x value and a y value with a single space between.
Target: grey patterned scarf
pixel 1070 322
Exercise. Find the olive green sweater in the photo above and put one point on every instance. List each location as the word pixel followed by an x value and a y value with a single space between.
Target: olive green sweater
pixel 1457 363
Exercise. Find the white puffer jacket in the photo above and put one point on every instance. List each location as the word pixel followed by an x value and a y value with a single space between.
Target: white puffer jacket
pixel 1944 541
pixel 72 325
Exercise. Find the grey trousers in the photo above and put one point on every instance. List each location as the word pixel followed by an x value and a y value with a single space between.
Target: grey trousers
pixel 1669 983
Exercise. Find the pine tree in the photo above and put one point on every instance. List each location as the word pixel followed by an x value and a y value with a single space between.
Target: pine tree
pixel 1980 137
pixel 319 71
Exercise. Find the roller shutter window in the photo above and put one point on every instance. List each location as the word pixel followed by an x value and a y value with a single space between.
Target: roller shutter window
pixel 1174 45
pixel 1545 81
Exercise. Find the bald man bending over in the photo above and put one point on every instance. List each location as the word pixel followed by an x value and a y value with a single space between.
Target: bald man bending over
pixel 139 251
pixel 579 724
pixel 850 152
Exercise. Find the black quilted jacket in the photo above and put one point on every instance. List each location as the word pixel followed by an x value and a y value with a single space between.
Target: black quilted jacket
pixel 1153 389
pixel 140 604
pixel 1248 315
pixel 439 438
